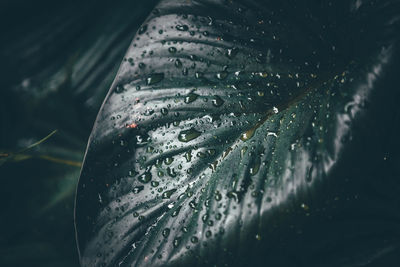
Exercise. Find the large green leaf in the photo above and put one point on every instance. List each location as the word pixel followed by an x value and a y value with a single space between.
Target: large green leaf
pixel 223 117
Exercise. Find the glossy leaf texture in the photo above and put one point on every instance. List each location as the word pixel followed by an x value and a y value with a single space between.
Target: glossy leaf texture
pixel 223 116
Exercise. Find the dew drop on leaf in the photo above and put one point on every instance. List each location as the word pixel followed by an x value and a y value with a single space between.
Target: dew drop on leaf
pixel 255 167
pixel 142 29
pixel 154 78
pixel 208 233
pixel 188 156
pixel 167 194
pixel 176 212
pixel 217 101
pixel 190 97
pixel 176 242
pixel 182 27
pixel 168 160
pixel 145 177
pixel 119 89
pixel 137 189
pixel 164 111
pixel 232 52
pixel 222 75
pixel 172 50
pixel 178 63
pixel 188 135
pixel 166 232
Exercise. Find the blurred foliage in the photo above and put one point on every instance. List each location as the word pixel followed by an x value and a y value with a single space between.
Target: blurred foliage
pixel 58 60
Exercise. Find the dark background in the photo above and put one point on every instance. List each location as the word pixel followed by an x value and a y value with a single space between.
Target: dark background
pixel 57 61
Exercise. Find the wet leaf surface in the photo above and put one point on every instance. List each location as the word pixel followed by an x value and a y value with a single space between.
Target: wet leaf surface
pixel 222 131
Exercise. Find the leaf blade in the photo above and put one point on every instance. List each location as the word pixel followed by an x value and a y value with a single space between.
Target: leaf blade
pixel 207 134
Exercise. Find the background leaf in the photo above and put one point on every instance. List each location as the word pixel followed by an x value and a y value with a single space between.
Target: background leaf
pixel 57 61
pixel 219 140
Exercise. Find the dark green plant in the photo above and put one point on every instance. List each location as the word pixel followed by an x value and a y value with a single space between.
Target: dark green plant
pixel 235 133
pixel 226 122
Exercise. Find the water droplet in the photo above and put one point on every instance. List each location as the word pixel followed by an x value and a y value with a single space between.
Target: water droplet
pixel 190 97
pixel 208 233
pixel 201 155
pixel 192 204
pixel 119 89
pixel 248 134
pixel 211 152
pixel 198 75
pixel 148 112
pixel 232 52
pixel 137 189
pixel 166 232
pixel 154 78
pixel 188 135
pixel 168 160
pixel 188 156
pixel 171 172
pixel 255 167
pixel 217 101
pixel 178 63
pixel 182 27
pixel 167 194
pixel 194 239
pixel 142 29
pixel 164 111
pixel 172 50
pixel 222 75
pixel 233 195
pixel 243 151
pixel 176 212
pixel 145 177
pixel 218 196
pixel 176 242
